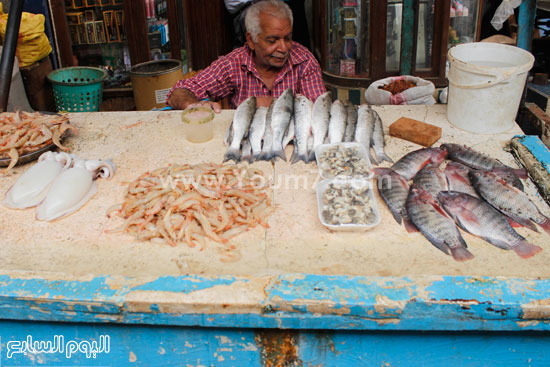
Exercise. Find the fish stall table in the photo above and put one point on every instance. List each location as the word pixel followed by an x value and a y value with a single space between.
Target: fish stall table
pixel 294 294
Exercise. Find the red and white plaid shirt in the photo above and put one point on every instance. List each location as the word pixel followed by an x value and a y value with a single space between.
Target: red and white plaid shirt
pixel 235 75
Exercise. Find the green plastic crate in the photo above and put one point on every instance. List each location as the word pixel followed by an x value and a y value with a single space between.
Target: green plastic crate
pixel 78 89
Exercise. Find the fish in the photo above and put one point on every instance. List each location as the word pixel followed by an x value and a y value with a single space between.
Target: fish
pixel 414 161
pixel 474 159
pixel 320 117
pixel 246 150
pixel 508 199
pixel 432 179
pixel 394 190
pixel 435 224
pixel 458 180
pixel 268 136
pixel 337 122
pixel 364 128
pixel 280 119
pixel 256 131
pixel 481 219
pixel 510 177
pixel 290 132
pixel 351 121
pixel 302 128
pixel 378 141
pixel 239 128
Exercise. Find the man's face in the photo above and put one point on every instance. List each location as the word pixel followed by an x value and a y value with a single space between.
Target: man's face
pixel 274 42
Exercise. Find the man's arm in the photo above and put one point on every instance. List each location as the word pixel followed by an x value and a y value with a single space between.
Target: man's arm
pixel 182 98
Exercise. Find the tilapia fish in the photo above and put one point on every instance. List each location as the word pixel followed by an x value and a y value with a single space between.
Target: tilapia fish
pixel 472 158
pixel 280 119
pixel 239 128
pixel 302 127
pixel 414 161
pixel 394 189
pixel 508 199
pixel 458 180
pixel 378 141
pixel 435 224
pixel 256 131
pixel 432 179
pixel 365 128
pixel 337 122
pixel 319 121
pixel 351 121
pixel 481 219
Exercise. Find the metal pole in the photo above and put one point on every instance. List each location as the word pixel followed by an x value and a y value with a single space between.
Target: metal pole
pixel 526 23
pixel 8 51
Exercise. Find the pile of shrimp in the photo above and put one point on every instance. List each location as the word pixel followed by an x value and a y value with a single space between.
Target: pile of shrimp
pixel 24 132
pixel 193 203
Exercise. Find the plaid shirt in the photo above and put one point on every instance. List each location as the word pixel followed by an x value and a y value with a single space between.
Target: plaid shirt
pixel 236 75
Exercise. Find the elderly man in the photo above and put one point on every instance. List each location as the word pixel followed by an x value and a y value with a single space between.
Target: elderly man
pixel 268 64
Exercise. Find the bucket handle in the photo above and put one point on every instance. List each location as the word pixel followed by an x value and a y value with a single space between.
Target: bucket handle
pixel 500 77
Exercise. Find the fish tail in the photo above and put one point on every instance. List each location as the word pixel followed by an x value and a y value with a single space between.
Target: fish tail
pixel 232 153
pixel 298 157
pixel 381 171
pixel 409 225
pixel 371 158
pixel 526 250
pixel 382 156
pixel 461 254
pixel 311 156
pixel 546 225
pixel 278 153
pixel 520 172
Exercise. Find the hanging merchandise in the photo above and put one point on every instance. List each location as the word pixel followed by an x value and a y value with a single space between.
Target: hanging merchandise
pixel 503 12
pixel 32 44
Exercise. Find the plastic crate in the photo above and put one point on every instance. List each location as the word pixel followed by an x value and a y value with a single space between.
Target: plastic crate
pixel 78 89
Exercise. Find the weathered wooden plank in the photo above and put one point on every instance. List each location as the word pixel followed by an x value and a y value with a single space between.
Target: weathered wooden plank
pixel 535 156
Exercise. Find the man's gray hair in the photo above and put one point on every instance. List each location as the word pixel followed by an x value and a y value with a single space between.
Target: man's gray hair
pixel 275 8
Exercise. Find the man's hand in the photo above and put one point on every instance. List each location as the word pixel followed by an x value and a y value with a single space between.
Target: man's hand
pixel 181 99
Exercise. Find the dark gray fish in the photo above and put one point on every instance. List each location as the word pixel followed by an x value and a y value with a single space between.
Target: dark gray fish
pixel 432 179
pixel 414 161
pixel 474 159
pixel 508 199
pixel 481 219
pixel 394 190
pixel 432 221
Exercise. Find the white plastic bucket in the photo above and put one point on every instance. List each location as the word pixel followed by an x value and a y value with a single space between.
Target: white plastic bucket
pixel 486 82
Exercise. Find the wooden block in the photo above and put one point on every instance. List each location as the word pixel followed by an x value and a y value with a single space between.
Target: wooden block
pixel 416 131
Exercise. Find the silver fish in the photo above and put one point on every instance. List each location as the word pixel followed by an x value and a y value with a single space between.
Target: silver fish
pixel 290 132
pixel 268 136
pixel 481 219
pixel 256 131
pixel 378 141
pixel 320 117
pixel 302 127
pixel 365 128
pixel 394 189
pixel 414 161
pixel 337 122
pixel 246 150
pixel 508 199
pixel 435 225
pixel 458 180
pixel 351 121
pixel 239 128
pixel 282 111
pixel 431 179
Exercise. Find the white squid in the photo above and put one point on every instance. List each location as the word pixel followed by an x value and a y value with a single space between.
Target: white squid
pixel 32 186
pixel 73 188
